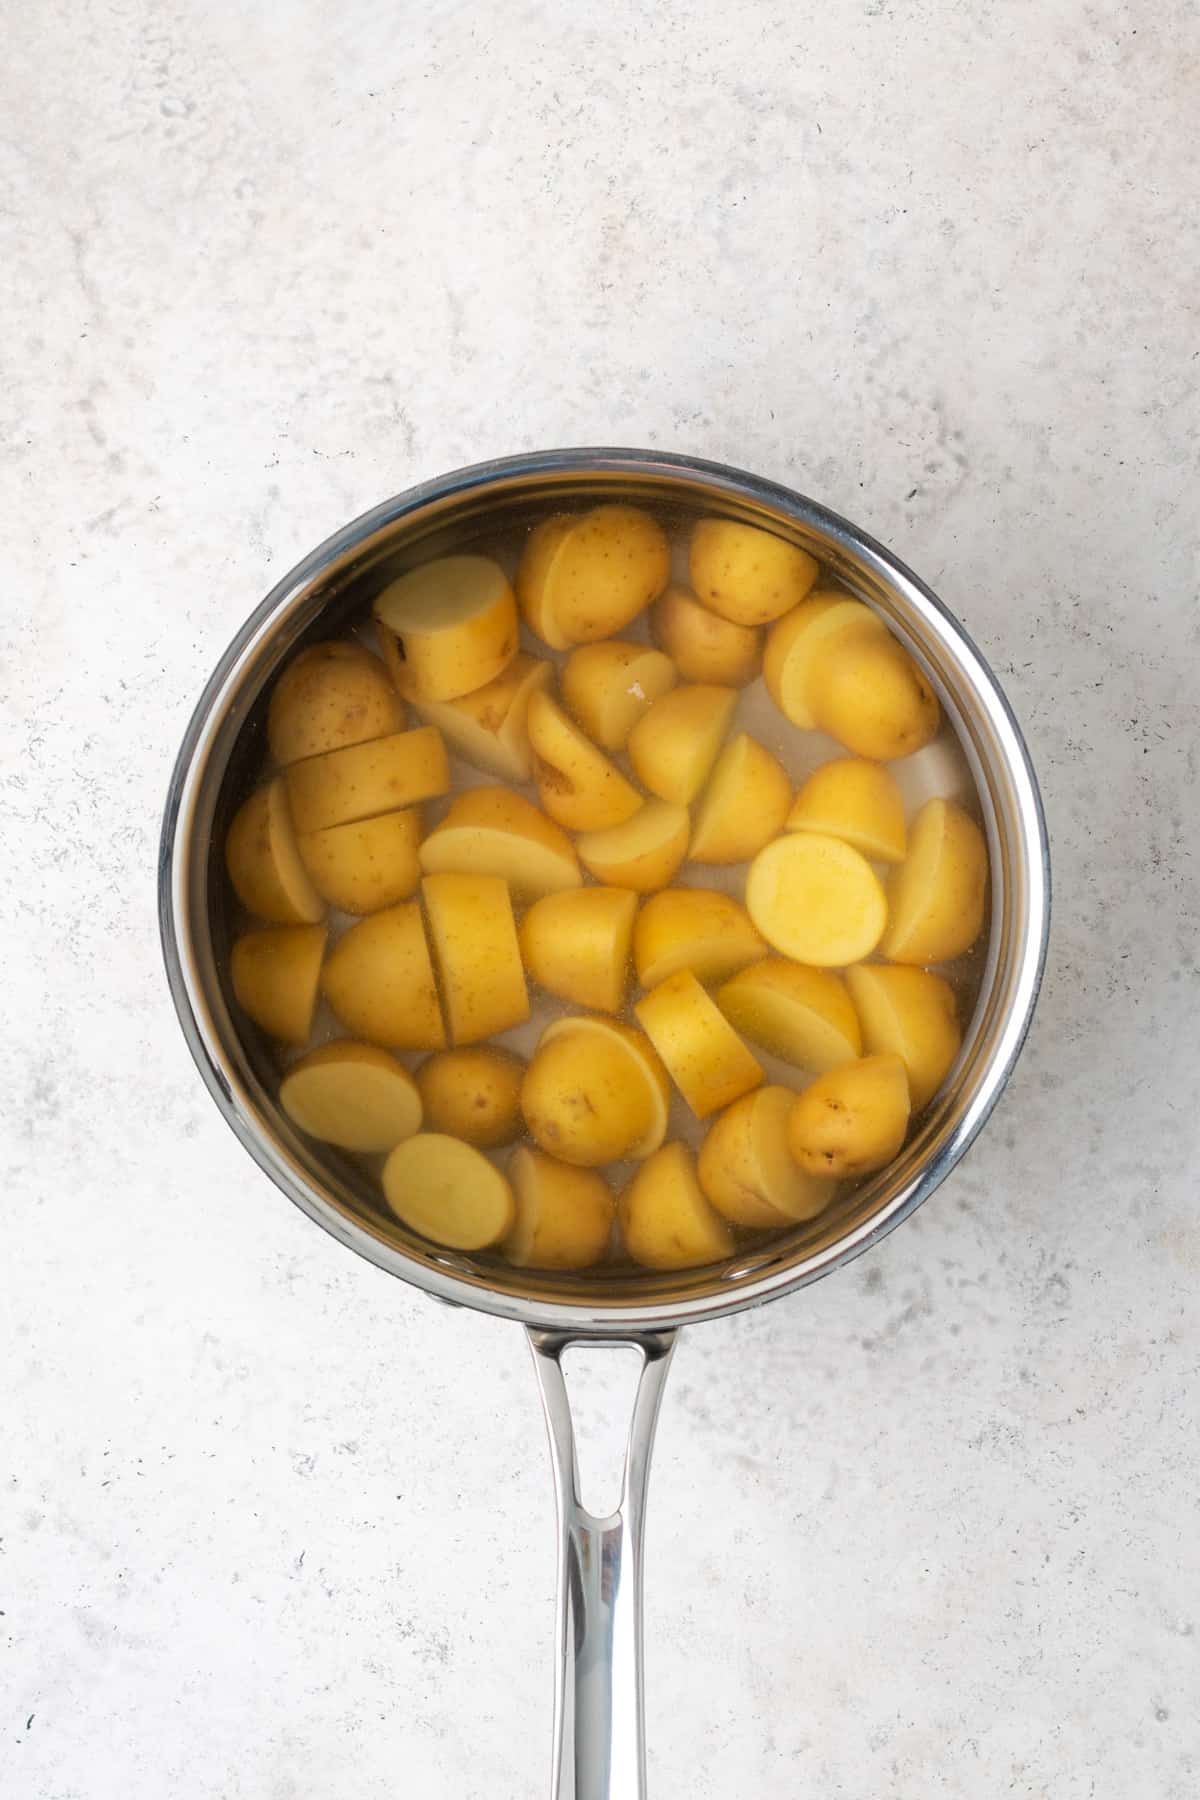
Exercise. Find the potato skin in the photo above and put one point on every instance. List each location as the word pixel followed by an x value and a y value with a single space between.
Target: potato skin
pixel 576 945
pixel 474 938
pixel 583 578
pixel 870 695
pixel 937 896
pixel 564 1214
pixel 747 1170
pixel 702 645
pixel 643 853
pixel 851 1120
pixel 699 929
pixel 473 1093
pixel 796 643
pixel 264 863
pixel 448 627
pixel 386 775
pixel 577 784
pixel 675 743
pixel 704 1056
pixel 608 686
pixel 379 981
pixel 747 575
pixel 858 801
pixel 666 1219
pixel 365 865
pixel 587 1098
pixel 329 696
pixel 801 1014
pixel 744 805
pixel 913 1013
pixel 275 973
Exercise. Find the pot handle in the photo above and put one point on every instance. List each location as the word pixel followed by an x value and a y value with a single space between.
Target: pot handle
pixel 599 1729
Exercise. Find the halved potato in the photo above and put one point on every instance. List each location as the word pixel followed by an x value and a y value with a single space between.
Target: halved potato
pixel 353 1095
pixel 857 801
pixel 605 1032
pixel 535 578
pixel 743 806
pixel 704 1056
pixel 379 981
pixel 448 1191
pixel 703 646
pixel 576 945
pixel 389 773
pixel 816 900
pixel 851 1120
pixel 487 728
pixel 275 974
pixel 473 1093
pixel 697 929
pixel 674 745
pixel 936 896
pixel 641 854
pixel 666 1221
pixel 797 641
pixel 576 783
pixel 329 696
pixel 800 1014
pixel 747 1170
pixel 608 686
pixel 492 831
pixel 264 864
pixel 913 1014
pixel 870 695
pixel 587 1098
pixel 475 944
pixel 369 864
pixel 564 1214
pixel 582 578
pixel 747 575
pixel 448 627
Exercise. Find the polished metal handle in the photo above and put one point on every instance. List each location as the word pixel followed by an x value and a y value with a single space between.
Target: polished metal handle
pixel 599 1734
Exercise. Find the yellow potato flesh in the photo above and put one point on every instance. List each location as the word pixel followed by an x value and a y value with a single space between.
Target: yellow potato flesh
pixel 743 806
pixel 329 696
pixel 586 1098
pixel 475 943
pixel 492 831
pixel 608 686
pixel 674 745
pixel 936 897
pixel 576 945
pixel 275 973
pixel 800 1014
pixel 448 1191
pixel 473 1094
pixel 488 727
pixel 816 900
pixel 796 643
pixel 851 1120
pixel 666 1220
pixel 870 695
pixel 697 929
pixel 352 1095
pixel 913 1014
pixel 369 864
pixel 857 801
pixel 535 578
pixel 641 854
pixel 379 981
pixel 605 1033
pixel 564 1214
pixel 584 578
pixel 264 863
pixel 385 775
pixel 448 627
pixel 703 1055
pixel 747 575
pixel 576 783
pixel 703 646
pixel 747 1170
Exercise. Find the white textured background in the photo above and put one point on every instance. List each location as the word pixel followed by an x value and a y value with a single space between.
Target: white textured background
pixel 275 1528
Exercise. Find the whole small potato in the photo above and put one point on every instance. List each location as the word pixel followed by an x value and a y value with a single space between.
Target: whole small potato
pixel 857 801
pixel 379 981
pixel 264 863
pixel 564 1214
pixel 576 945
pixel 703 646
pixel 816 900
pixel 674 745
pixel 329 696
pixel 743 806
pixel 584 578
pixel 666 1219
pixel 747 1170
pixel 353 1095
pixel 275 973
pixel 748 576
pixel 870 695
pixel 851 1120
pixel 912 1013
pixel 448 627
pixel 936 897
pixel 608 686
pixel 473 1094
pixel 577 785
pixel 449 1192
pixel 643 853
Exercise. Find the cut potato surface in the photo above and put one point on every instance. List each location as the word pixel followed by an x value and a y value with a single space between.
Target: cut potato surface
pixel 379 981
pixel 474 938
pixel 492 831
pixel 275 973
pixel 576 945
pixel 448 1191
pixel 353 1095
pixel 474 1094
pixel 264 863
pixel 851 1120
pixel 448 627
pixel 564 1214
pixel 747 575
pixel 913 1014
pixel 487 728
pixel 703 646
pixel 747 1170
pixel 744 805
pixel 329 696
pixel 643 853
pixel 535 578
pixel 697 929
pixel 869 694
pixel 674 745
pixel 386 775
pixel 703 1055
pixel 816 900
pixel 936 897
pixel 857 801
pixel 796 643
pixel 585 577
pixel 608 686
pixel 577 785
pixel 369 864
pixel 800 1014
pixel 666 1220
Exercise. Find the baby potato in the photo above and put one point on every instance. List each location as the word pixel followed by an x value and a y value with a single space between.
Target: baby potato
pixel 704 1056
pixel 576 945
pixel 582 578
pixel 851 1120
pixel 449 1192
pixel 564 1214
pixel 264 864
pixel 800 1014
pixel 703 646
pixel 379 981
pixel 747 1170
pixel 275 974
pixel 389 773
pixel 587 1096
pixel 666 1221
pixel 675 744
pixel 913 1014
pixel 641 854
pixel 936 896
pixel 743 806
pixel 857 801
pixel 816 900
pixel 576 783
pixel 492 831
pixel 535 578
pixel 448 627
pixel 608 686
pixel 487 728
pixel 697 929
pixel 329 696
pixel 369 864
pixel 747 575
pixel 352 1095
pixel 637 1046
pixel 475 943
pixel 474 1094
pixel 870 695
pixel 797 641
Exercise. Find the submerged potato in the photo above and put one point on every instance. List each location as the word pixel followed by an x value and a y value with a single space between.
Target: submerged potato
pixel 264 864
pixel 448 1191
pixel 666 1220
pixel 936 897
pixel 608 686
pixel 857 801
pixel 913 1014
pixel 643 853
pixel 796 643
pixel 697 929
pixel 586 576
pixel 851 1120
pixel 275 973
pixel 747 1170
pixel 816 900
pixel 587 1097
pixel 870 695
pixel 474 1094
pixel 353 1095
pixel 487 728
pixel 564 1214
pixel 379 981
pixel 329 696
pixel 747 575
pixel 703 1055
pixel 386 775
pixel 492 831
pixel 800 1014
pixel 577 785
pixel 448 627
pixel 703 646
pixel 743 806
pixel 474 937
pixel 576 945
pixel 675 743
pixel 605 1032
pixel 368 864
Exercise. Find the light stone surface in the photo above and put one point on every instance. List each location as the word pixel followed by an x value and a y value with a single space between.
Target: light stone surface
pixel 274 1527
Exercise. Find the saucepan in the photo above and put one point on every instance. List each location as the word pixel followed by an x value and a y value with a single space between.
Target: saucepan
pixel 599 1737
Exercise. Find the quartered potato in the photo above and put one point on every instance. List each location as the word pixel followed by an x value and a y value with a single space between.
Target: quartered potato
pixel 275 973
pixel 585 576
pixel 474 1094
pixel 936 896
pixel 448 627
pixel 329 696
pixel 674 745
pixel 744 805
pixel 487 728
pixel 747 1170
pixel 643 853
pixel 386 775
pixel 870 695
pixel 591 1096
pixel 796 643
pixel 577 785
pixel 816 900
pixel 913 1014
pixel 564 1214
pixel 805 1016
pixel 703 646
pixel 608 686
pixel 379 981
pixel 747 575
pixel 264 863
pixel 372 863
pixel 697 929
pixel 448 1191
pixel 857 801
pixel 576 945
pixel 851 1120
pixel 704 1056
pixel 666 1220
pixel 474 937
pixel 353 1095
pixel 492 831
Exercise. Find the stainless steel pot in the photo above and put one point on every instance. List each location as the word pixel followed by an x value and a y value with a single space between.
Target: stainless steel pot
pixel 599 1744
